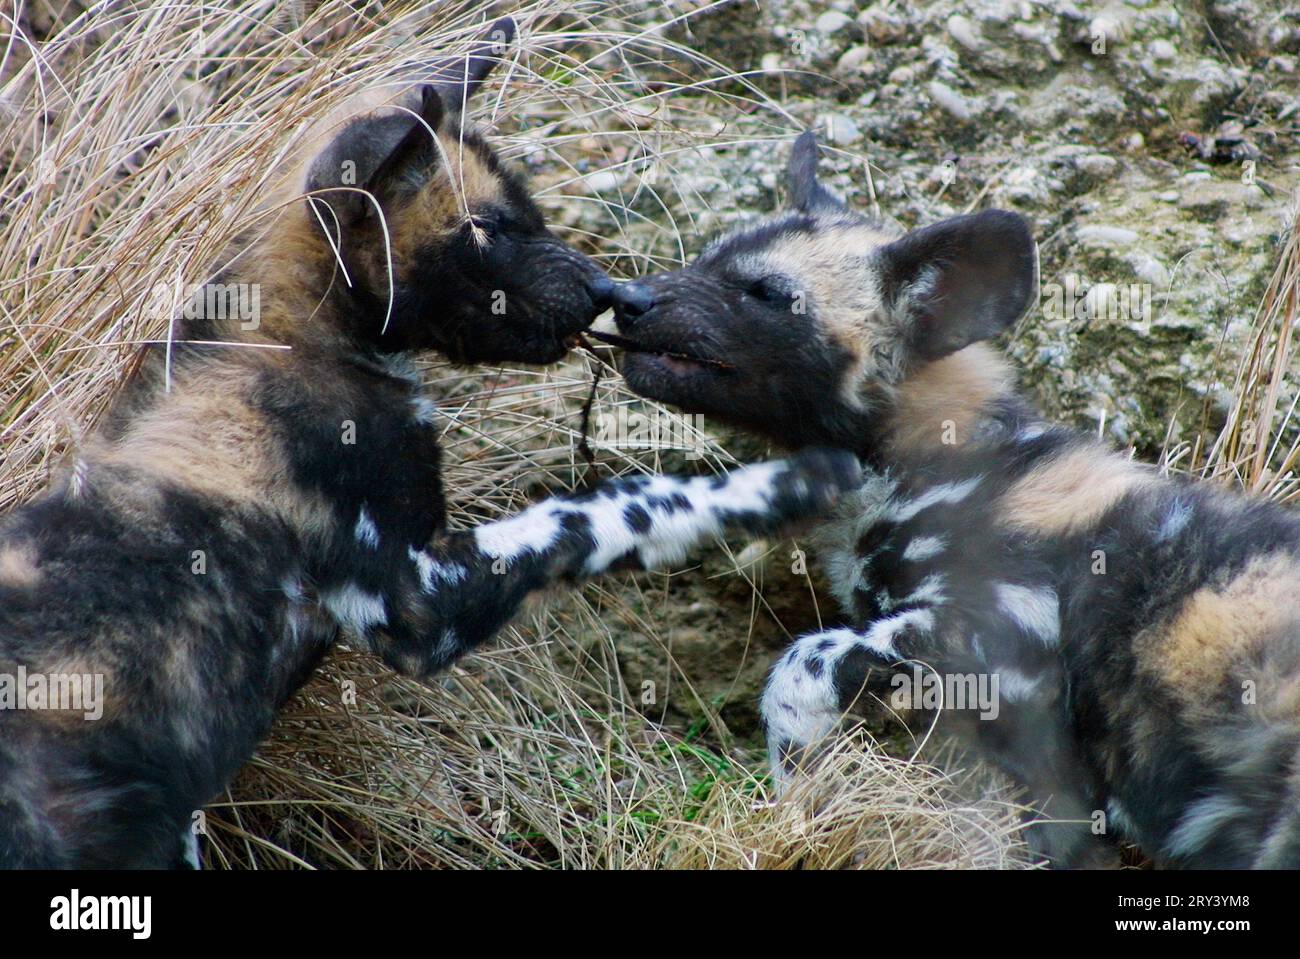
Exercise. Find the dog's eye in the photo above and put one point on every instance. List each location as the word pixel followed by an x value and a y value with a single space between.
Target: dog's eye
pixel 769 289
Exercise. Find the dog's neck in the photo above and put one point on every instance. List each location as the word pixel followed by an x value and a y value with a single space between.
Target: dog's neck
pixel 951 406
pixel 266 295
pixel 293 320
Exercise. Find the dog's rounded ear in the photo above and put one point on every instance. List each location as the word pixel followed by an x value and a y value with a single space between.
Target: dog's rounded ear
pixel 417 144
pixel 959 281
pixel 806 194
pixel 374 148
pixel 371 149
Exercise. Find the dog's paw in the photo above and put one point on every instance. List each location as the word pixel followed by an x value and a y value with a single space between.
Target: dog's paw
pixel 812 481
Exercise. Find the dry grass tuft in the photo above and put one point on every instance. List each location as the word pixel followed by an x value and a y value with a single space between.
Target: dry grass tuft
pixel 1258 448
pixel 862 809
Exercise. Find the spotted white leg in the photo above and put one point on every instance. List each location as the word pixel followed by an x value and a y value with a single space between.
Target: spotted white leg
pixel 467 586
pixel 822 675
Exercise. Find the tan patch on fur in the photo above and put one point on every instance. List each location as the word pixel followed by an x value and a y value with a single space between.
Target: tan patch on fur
pixel 471 178
pixel 201 436
pixel 949 396
pixel 1070 492
pixel 1279 696
pixel 462 185
pixel 294 266
pixel 204 437
pixel 68 677
pixel 18 566
pixel 831 266
pixel 1218 627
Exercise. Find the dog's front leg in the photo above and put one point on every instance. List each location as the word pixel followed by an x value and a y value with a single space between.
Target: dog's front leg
pixel 823 675
pixel 463 588
pixel 1021 726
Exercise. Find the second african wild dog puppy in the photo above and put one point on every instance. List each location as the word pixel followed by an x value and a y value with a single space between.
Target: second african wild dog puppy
pixel 1144 631
pixel 241 506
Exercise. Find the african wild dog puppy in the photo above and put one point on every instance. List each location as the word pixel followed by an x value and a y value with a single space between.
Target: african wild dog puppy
pixel 242 506
pixel 1144 630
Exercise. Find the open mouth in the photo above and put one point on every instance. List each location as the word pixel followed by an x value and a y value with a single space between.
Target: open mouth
pixel 675 361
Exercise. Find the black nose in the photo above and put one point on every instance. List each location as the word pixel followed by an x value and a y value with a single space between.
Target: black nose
pixel 602 290
pixel 633 299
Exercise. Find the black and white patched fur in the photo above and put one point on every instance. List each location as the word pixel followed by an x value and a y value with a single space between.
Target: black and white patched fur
pixel 1143 630
pixel 244 505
